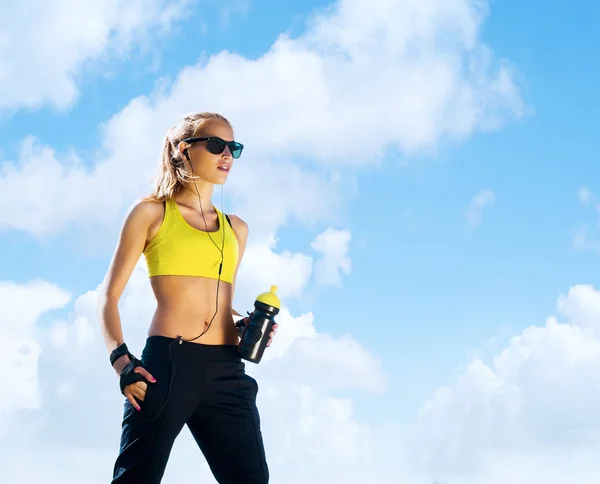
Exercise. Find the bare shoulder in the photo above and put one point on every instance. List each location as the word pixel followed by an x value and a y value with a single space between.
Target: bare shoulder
pixel 146 214
pixel 240 227
pixel 145 209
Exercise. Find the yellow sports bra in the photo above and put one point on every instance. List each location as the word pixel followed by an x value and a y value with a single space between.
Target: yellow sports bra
pixel 177 248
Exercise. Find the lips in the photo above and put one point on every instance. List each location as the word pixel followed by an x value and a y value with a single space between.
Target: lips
pixel 223 167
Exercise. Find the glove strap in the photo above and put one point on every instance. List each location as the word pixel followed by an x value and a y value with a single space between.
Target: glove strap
pixel 119 351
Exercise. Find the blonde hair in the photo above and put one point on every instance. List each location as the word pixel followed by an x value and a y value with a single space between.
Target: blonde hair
pixel 173 173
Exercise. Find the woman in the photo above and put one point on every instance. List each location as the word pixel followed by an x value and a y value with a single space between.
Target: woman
pixel 190 371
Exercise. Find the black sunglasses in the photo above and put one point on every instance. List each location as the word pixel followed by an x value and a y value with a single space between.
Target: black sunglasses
pixel 216 145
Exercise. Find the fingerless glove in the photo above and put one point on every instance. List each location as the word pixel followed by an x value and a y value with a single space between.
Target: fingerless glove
pixel 240 326
pixel 128 376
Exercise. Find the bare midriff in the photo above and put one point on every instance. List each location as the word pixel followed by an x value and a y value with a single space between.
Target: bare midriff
pixel 185 306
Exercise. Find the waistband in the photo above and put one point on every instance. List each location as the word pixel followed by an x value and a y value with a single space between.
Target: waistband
pixel 200 351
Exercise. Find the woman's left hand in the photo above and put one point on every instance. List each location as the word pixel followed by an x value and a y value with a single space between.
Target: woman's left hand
pixel 244 321
pixel 271 335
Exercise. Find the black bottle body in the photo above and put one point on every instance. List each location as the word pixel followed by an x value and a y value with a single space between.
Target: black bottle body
pixel 255 337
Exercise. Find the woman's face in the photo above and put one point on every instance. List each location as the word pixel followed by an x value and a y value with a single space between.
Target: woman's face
pixel 206 165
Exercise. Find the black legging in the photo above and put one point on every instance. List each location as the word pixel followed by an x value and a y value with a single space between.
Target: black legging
pixel 211 393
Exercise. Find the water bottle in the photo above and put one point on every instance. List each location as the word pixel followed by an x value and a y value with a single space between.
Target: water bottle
pixel 260 323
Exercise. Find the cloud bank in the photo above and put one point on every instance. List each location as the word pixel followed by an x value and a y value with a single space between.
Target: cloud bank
pixel 47 46
pixel 358 84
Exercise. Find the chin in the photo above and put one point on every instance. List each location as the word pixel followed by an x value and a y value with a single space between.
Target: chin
pixel 215 178
pixel 219 181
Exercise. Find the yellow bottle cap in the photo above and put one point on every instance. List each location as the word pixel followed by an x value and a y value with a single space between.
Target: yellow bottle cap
pixel 270 298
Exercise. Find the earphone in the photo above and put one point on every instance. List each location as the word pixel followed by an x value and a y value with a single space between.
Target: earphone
pixel 222 227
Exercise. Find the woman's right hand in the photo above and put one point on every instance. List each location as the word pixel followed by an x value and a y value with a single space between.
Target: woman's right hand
pixel 136 390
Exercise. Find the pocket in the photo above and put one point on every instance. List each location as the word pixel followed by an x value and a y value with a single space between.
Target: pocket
pixel 157 392
pixel 246 381
pixel 249 384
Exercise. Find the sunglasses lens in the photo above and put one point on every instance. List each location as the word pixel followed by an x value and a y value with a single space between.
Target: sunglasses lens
pixel 215 146
pixel 236 149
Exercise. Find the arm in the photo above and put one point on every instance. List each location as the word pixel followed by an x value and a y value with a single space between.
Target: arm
pixel 128 252
pixel 240 229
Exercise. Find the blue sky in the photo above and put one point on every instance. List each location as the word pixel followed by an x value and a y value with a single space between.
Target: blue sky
pixel 427 291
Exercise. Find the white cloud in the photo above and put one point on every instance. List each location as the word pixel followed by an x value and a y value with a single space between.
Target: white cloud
pixel 529 416
pixel 475 210
pixel 586 196
pixel 349 365
pixel 265 267
pixel 233 8
pixel 581 306
pixel 586 237
pixel 335 261
pixel 22 306
pixel 46 46
pixel 311 97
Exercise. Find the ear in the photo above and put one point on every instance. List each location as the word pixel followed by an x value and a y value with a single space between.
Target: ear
pixel 183 150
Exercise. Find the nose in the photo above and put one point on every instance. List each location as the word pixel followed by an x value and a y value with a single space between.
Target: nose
pixel 227 152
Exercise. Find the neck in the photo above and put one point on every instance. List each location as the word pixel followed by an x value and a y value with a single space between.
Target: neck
pixel 189 195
